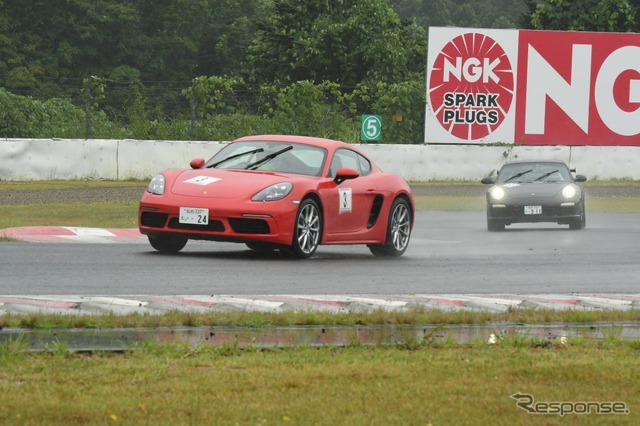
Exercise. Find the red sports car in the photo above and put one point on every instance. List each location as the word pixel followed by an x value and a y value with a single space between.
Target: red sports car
pixel 286 193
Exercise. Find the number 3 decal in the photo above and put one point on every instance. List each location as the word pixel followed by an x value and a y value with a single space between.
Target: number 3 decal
pixel 345 200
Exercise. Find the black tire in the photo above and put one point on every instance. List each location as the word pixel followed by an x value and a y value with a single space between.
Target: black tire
pixel 580 223
pixel 307 230
pixel 398 231
pixel 167 243
pixel 494 225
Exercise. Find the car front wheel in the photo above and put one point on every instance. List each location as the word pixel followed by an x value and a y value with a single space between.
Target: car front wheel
pixel 307 230
pixel 398 231
pixel 167 243
pixel 581 222
pixel 494 225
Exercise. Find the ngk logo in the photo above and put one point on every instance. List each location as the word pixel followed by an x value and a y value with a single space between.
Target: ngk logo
pixel 471 86
pixel 472 70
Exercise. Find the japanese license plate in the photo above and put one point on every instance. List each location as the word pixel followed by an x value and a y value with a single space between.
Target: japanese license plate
pixel 532 209
pixel 194 215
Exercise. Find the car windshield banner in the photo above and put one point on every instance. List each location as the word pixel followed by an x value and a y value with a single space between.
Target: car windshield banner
pixel 532 87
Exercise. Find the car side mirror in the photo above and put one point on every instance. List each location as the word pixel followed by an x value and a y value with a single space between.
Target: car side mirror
pixel 488 181
pixel 197 163
pixel 345 173
pixel 580 178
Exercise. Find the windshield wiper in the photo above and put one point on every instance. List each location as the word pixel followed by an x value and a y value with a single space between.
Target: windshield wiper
pixel 255 164
pixel 546 175
pixel 231 157
pixel 519 174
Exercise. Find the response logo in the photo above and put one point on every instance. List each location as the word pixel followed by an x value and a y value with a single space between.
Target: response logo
pixel 471 86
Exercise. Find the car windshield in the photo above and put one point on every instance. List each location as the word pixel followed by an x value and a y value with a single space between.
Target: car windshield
pixel 283 157
pixel 534 172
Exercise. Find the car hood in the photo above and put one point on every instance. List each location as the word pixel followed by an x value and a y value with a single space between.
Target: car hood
pixel 534 189
pixel 219 183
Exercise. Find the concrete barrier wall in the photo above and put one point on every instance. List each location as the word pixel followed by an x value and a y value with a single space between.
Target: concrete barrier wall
pixel 41 159
pixel 44 159
pixel 143 159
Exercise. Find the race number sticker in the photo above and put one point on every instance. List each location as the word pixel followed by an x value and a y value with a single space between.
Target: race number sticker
pixel 202 180
pixel 345 200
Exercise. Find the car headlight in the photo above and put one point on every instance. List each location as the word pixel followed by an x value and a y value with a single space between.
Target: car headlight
pixel 569 191
pixel 497 193
pixel 274 192
pixel 156 186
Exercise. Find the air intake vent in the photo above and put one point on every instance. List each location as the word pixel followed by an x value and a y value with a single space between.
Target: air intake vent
pixel 249 226
pixel 153 220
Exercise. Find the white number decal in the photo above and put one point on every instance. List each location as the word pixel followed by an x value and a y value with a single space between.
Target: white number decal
pixel 345 200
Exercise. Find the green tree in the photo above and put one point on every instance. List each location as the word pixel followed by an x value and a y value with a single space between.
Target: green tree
pixel 483 14
pixel 465 16
pixel 340 41
pixel 434 13
pixel 125 87
pixel 25 117
pixel 305 108
pixel 47 47
pixel 225 36
pixel 56 42
pixel 92 94
pixel 587 15
pixel 401 106
pixel 214 95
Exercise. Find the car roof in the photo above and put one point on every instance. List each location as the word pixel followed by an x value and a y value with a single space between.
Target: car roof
pixel 322 142
pixel 535 161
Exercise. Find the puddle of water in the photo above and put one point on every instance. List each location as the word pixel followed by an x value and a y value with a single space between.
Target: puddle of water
pixel 266 337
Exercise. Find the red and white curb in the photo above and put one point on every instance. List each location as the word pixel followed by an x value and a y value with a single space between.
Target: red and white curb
pixel 306 303
pixel 71 234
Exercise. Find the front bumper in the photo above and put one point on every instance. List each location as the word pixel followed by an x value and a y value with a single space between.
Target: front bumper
pixel 561 213
pixel 229 220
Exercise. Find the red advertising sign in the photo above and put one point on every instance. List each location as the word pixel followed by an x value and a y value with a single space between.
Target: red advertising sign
pixel 533 87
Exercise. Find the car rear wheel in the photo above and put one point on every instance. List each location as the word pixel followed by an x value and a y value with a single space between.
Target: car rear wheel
pixel 398 231
pixel 307 229
pixel 167 243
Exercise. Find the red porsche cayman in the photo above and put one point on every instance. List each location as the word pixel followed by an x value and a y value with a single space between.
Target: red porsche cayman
pixel 286 193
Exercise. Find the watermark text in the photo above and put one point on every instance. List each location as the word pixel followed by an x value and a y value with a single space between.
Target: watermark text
pixel 527 403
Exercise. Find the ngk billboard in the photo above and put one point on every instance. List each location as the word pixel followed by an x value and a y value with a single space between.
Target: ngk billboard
pixel 532 87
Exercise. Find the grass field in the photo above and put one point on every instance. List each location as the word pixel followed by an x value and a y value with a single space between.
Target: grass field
pixel 429 384
pixel 421 382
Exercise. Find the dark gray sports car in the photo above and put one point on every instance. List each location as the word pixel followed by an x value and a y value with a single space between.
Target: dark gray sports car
pixel 535 191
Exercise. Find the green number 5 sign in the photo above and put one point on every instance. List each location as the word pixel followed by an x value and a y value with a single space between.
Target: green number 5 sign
pixel 371 128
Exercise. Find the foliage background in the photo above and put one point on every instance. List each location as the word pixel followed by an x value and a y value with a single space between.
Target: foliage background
pixel 219 69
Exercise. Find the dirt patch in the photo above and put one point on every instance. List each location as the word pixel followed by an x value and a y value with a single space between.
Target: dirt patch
pixel 71 195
